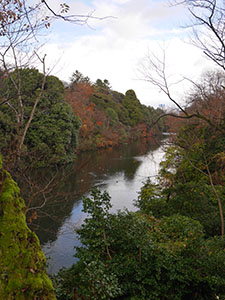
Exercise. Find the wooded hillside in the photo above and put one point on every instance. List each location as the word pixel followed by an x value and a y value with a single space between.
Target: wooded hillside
pixel 109 117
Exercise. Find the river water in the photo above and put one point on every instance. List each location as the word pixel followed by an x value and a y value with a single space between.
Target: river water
pixel 120 171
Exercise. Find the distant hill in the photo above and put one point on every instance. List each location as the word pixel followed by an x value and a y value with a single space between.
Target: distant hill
pixel 108 117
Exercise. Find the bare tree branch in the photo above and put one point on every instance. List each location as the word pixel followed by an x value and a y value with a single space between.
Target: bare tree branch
pixel 153 70
pixel 208 27
pixel 75 18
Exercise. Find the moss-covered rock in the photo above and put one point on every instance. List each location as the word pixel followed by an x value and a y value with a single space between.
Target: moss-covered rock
pixel 22 263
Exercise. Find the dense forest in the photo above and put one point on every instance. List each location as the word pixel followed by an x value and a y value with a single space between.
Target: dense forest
pixel 108 117
pixel 172 247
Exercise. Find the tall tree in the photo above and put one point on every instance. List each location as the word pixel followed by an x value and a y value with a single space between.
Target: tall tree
pixel 52 135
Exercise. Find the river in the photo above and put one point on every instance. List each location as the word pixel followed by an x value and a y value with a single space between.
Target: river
pixel 120 171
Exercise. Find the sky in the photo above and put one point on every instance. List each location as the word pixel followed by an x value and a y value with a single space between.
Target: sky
pixel 115 47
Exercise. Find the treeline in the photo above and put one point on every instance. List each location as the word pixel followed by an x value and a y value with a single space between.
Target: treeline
pixel 173 246
pixel 109 117
pixel 82 116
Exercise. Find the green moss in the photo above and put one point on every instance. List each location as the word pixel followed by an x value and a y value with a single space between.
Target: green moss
pixel 22 263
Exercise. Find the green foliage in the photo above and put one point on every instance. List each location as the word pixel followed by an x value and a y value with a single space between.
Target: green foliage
pixel 98 207
pixel 53 134
pixel 135 256
pixel 78 77
pixel 193 199
pixel 128 108
pixel 29 80
pixel 197 199
pixel 133 106
pixel 7 130
pixel 22 263
pixel 102 86
pixel 184 185
pixel 53 93
pixel 149 199
pixel 113 116
pixel 179 228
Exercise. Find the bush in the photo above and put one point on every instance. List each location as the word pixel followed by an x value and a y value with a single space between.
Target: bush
pixel 132 255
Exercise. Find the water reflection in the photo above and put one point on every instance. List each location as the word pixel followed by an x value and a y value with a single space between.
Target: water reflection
pixel 119 171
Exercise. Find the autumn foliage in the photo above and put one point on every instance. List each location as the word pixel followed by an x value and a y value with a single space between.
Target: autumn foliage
pixel 108 118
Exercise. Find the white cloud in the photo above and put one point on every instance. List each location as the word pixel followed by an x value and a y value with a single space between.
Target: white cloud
pixel 113 50
pixel 131 19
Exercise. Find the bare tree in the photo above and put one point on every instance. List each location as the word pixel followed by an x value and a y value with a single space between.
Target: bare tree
pixel 208 27
pixel 63 14
pixel 20 28
pixel 154 70
pixel 11 11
